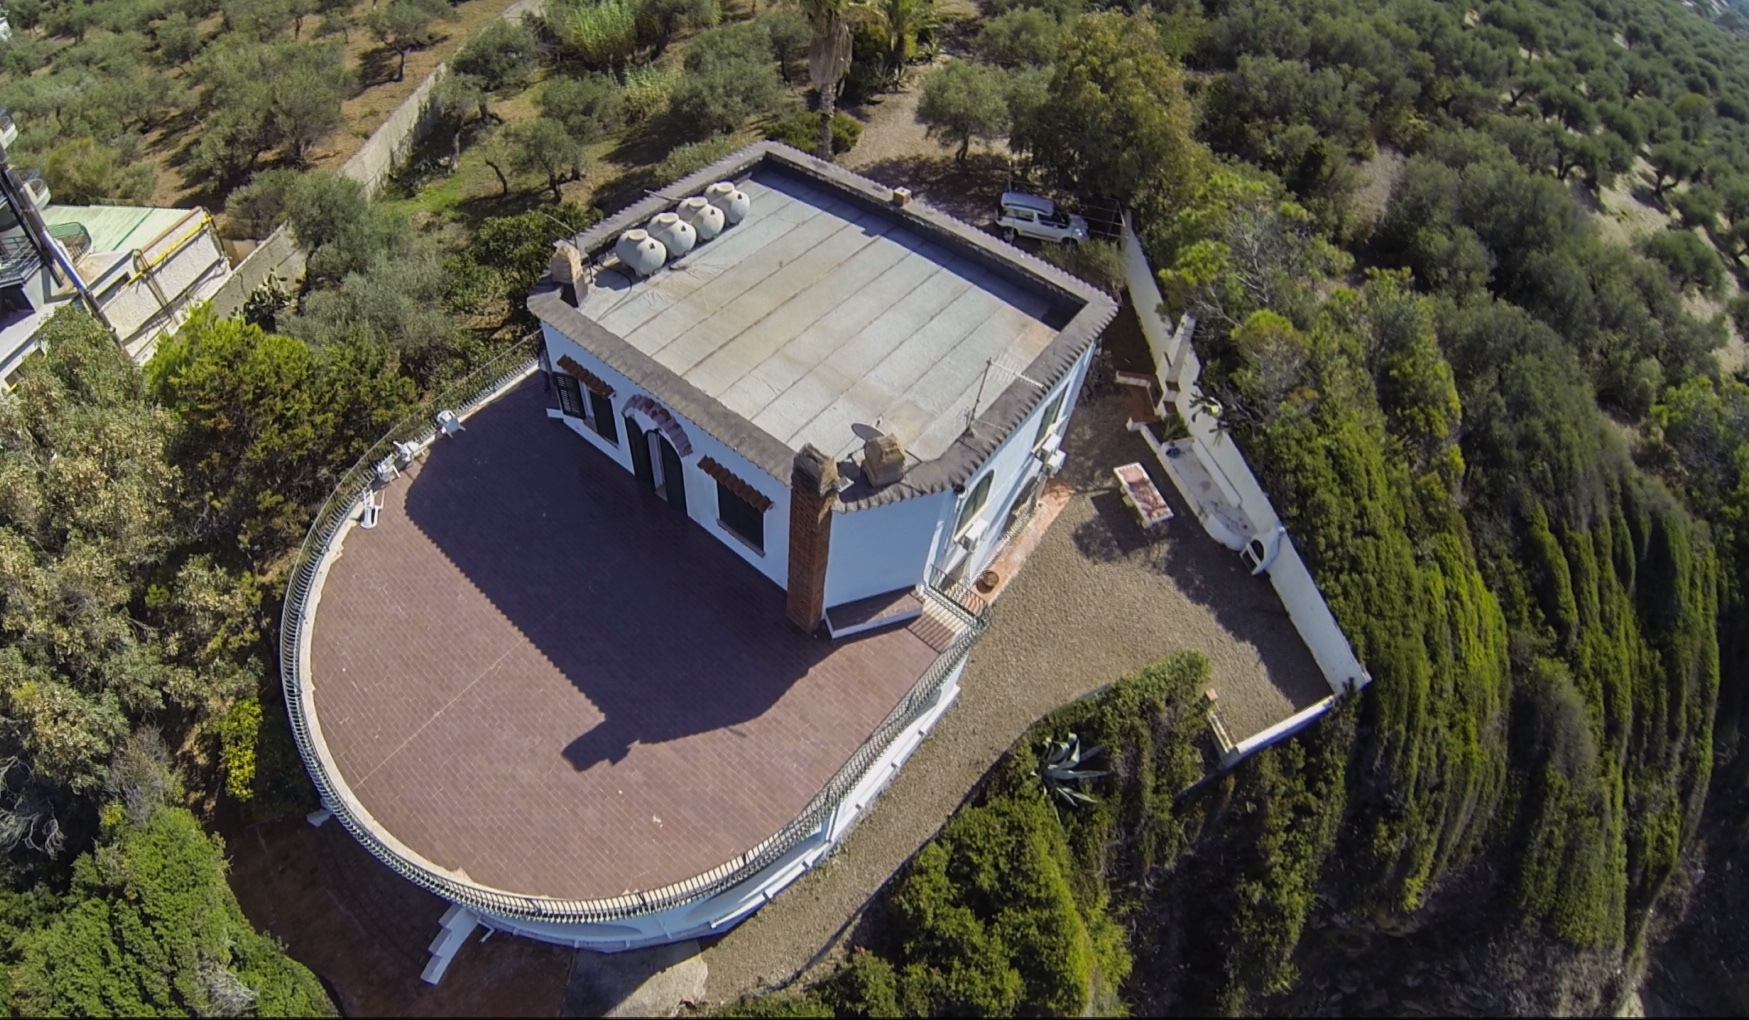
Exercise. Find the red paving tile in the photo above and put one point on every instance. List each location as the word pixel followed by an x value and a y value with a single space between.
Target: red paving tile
pixel 534 673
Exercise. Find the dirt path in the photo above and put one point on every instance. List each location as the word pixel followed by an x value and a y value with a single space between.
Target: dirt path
pixel 890 130
pixel 898 152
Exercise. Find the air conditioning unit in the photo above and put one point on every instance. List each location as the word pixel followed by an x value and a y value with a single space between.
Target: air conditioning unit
pixel 1054 463
pixel 974 534
pixel 1048 449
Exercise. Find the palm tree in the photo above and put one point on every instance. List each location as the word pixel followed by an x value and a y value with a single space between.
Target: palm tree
pixel 829 52
pixel 905 22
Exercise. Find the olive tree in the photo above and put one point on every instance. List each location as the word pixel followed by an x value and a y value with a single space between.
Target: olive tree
pixel 407 25
pixel 963 101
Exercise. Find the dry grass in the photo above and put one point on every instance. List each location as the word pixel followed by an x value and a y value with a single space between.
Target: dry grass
pixel 1624 213
pixel 166 148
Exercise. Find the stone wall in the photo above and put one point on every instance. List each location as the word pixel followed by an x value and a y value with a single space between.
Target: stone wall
pixel 390 144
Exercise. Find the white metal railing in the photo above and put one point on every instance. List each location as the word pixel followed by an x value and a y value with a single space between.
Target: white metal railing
pixel 298 615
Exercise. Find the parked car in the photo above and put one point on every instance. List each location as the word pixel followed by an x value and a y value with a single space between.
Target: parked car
pixel 1024 215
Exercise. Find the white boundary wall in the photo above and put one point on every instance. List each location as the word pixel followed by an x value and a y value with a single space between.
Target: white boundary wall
pixel 1178 369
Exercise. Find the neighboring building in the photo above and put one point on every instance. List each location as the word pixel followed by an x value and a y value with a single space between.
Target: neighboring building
pixel 745 380
pixel 585 667
pixel 140 270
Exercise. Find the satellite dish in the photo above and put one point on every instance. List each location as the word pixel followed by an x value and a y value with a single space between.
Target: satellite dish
pixel 867 432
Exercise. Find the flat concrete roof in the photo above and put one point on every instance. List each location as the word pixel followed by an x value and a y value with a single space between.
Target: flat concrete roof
pixel 842 307
pixel 815 313
pixel 116 227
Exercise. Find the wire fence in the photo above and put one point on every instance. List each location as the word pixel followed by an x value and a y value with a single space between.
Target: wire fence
pixel 354 487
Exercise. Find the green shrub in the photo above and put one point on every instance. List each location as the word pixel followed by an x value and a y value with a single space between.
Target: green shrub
pixel 647 91
pixel 238 734
pixel 1098 262
pixel 729 79
pixel 602 35
pixel 864 987
pixel 1688 258
pixel 691 158
pixel 801 130
pixel 149 928
pixel 501 55
pixel 589 107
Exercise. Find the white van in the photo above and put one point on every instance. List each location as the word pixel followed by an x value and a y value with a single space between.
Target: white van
pixel 1024 215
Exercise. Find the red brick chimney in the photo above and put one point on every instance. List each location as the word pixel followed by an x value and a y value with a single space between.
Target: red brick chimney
pixel 813 488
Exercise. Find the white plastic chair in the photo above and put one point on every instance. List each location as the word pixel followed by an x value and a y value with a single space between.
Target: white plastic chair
pixel 372 512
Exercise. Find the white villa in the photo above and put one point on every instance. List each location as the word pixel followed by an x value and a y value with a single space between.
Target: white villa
pixel 856 394
pixel 633 640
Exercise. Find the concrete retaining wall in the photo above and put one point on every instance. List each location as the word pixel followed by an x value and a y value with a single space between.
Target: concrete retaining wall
pixel 277 256
pixel 1178 369
pixel 390 144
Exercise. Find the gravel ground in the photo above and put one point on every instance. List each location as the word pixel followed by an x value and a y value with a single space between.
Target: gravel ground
pixel 1096 600
pixel 898 152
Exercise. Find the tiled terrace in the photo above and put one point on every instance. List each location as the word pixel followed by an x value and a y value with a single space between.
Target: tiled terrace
pixel 542 679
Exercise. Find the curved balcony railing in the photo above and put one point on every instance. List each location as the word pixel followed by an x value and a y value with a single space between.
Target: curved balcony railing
pixel 298 616
pixel 72 237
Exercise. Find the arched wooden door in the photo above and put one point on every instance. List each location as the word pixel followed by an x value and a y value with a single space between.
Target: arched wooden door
pixel 670 475
pixel 657 464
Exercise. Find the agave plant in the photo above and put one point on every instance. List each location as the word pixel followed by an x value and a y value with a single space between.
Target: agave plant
pixel 1059 767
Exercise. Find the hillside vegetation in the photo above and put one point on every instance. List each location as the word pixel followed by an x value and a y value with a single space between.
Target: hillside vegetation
pixel 177 102
pixel 1506 448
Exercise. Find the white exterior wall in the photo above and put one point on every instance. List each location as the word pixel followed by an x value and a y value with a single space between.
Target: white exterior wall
pixel 1014 465
pixel 1179 368
pixel 873 551
pixel 701 489
pixel 884 548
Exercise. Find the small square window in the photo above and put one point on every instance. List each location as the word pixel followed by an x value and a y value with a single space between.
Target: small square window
pixel 741 517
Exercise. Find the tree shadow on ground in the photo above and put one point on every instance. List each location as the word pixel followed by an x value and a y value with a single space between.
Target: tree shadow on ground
pixel 968 191
pixel 377 67
pixel 1205 572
